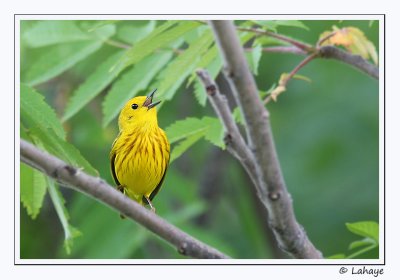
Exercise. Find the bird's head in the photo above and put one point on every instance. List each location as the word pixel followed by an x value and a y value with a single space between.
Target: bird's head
pixel 139 111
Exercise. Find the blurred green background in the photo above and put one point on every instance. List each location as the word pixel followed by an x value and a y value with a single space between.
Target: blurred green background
pixel 326 133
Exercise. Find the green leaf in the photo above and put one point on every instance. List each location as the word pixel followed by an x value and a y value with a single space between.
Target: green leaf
pixel 215 131
pixel 49 32
pixel 361 243
pixel 182 66
pixel 93 85
pixel 62 149
pixel 59 59
pixel 291 23
pixel 134 32
pixel 253 58
pixel 40 123
pixel 35 111
pixel 33 189
pixel 101 33
pixel 274 24
pixel 213 67
pixel 366 229
pixel 185 144
pixel 161 36
pixel 237 115
pixel 191 130
pixel 267 24
pixel 58 201
pixel 194 34
pixel 270 41
pixel 209 128
pixel 131 83
pixel 101 23
pixel 199 91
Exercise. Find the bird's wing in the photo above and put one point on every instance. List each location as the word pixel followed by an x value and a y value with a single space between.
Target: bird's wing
pixel 153 194
pixel 113 155
pixel 156 190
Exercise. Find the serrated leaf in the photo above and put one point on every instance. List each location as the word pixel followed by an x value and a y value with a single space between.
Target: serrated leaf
pixel 267 24
pixel 59 204
pixel 291 23
pixel 33 189
pixel 213 63
pixel 49 32
pixel 194 34
pixel 62 149
pixel 131 83
pixel 161 36
pixel 93 85
pixel 211 128
pixel 101 23
pixel 215 131
pixel 59 59
pixel 213 69
pixel 101 33
pixel 274 24
pixel 184 128
pixel 182 66
pixel 135 31
pixel 35 111
pixel 253 58
pixel 361 243
pixel 185 144
pixel 366 229
pixel 191 130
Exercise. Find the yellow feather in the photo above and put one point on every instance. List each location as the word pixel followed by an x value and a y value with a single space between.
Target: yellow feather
pixel 140 154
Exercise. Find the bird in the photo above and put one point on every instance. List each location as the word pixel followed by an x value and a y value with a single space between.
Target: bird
pixel 140 154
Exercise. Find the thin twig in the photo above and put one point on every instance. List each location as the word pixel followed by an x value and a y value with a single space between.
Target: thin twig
pixel 280 49
pixel 271 187
pixel 97 188
pixel 284 81
pixel 284 49
pixel 233 139
pixel 296 43
pixel 322 40
pixel 303 63
pixel 325 51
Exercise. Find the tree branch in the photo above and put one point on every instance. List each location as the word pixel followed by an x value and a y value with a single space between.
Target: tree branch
pixel 233 139
pixel 325 52
pixel 271 187
pixel 99 189
pixel 303 46
pixel 354 60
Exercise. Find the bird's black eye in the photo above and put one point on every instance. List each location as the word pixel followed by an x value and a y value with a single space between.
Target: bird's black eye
pixel 134 106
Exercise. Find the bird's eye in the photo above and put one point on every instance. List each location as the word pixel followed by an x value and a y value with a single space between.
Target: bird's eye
pixel 134 106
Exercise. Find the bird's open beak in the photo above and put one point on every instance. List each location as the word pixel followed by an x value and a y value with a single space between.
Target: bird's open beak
pixel 149 101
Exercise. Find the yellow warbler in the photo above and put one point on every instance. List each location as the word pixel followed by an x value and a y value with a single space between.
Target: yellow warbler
pixel 140 154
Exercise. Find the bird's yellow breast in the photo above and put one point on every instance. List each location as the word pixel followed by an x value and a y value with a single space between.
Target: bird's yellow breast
pixel 141 159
